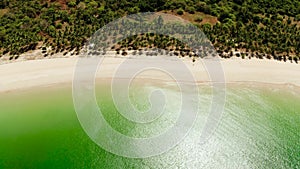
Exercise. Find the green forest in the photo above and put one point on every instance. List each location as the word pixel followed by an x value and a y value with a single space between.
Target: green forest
pixel 256 28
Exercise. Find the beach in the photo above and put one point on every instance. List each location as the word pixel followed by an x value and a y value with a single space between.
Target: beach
pixel 45 72
pixel 258 128
pixel 149 84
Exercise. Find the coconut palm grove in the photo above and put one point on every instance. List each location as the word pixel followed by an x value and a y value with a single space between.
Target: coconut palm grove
pixel 236 28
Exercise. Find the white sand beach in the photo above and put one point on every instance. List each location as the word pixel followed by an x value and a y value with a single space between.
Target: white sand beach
pixel 34 73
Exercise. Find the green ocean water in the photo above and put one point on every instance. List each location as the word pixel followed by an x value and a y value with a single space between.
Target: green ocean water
pixel 260 128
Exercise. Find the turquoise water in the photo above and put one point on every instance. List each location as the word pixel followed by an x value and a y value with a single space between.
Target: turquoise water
pixel 258 129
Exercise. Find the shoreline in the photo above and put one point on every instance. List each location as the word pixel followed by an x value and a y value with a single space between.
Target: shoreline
pixel 51 72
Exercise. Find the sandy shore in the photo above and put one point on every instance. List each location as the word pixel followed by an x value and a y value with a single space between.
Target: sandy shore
pixel 27 74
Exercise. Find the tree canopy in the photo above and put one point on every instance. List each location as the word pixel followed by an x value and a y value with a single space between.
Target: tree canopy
pixel 264 27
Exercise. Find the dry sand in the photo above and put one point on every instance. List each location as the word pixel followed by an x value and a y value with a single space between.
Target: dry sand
pixel 34 73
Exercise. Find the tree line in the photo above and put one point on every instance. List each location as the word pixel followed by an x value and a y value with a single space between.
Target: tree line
pixel 256 28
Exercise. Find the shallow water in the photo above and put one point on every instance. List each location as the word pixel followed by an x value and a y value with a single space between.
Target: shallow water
pixel 258 129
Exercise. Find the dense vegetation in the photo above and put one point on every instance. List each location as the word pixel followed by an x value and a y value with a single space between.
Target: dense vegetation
pixel 256 28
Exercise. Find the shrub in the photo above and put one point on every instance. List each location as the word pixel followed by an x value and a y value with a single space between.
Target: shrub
pixel 180 11
pixel 72 3
pixel 279 18
pixel 297 18
pixel 190 10
pixel 266 21
pixel 58 26
pixel 199 19
pixel 81 5
pixel 93 4
pixel 201 6
pixel 256 19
